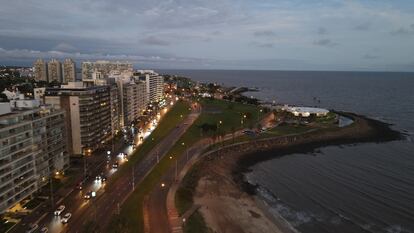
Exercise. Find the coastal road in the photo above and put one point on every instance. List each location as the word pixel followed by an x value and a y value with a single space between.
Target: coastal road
pixel 43 214
pixel 73 198
pixel 157 211
pixel 107 203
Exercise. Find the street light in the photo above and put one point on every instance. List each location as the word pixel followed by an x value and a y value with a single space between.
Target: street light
pixel 186 149
pixel 176 167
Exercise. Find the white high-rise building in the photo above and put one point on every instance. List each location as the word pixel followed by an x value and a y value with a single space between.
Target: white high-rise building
pixel 40 70
pixel 69 71
pixel 54 71
pixel 134 101
pixel 155 87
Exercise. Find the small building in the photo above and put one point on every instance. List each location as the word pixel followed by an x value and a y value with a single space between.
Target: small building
pixel 306 111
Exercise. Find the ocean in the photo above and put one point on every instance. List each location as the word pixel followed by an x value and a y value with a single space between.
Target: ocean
pixel 353 188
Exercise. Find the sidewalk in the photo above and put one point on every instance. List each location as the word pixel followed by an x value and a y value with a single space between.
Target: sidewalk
pixel 175 220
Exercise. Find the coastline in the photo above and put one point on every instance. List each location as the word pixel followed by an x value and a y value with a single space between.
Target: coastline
pixel 230 188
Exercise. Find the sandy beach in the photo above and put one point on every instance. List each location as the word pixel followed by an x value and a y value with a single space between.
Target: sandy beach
pixel 228 203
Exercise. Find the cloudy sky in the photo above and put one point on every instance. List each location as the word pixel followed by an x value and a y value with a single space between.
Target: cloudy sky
pixel 213 34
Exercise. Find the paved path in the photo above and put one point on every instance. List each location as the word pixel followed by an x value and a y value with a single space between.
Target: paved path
pixel 160 206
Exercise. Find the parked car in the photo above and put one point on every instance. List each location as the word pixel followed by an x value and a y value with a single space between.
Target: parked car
pixel 44 230
pixel 66 217
pixel 32 228
pixel 59 210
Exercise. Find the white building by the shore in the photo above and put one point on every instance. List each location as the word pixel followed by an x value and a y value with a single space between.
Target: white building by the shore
pixel 306 111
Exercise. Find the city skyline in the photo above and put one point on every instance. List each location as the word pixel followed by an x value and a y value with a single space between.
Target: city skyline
pixel 278 35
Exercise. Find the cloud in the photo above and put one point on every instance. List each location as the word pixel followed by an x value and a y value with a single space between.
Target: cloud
pixel 152 40
pixel 370 56
pixel 182 29
pixel 65 47
pixel 264 33
pixel 363 27
pixel 265 45
pixel 404 31
pixel 261 44
pixel 325 43
pixel 322 31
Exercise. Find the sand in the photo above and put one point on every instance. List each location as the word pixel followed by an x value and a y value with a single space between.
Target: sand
pixel 225 207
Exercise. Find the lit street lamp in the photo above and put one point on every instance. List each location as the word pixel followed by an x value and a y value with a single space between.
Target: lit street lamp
pixel 186 150
pixel 176 167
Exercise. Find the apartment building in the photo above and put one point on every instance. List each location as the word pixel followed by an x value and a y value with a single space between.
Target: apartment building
pixel 89 111
pixel 69 71
pixel 100 70
pixel 40 70
pixel 134 101
pixel 115 109
pixel 154 87
pixel 54 71
pixel 33 146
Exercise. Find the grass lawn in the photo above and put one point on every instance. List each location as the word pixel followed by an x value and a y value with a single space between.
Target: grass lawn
pixel 33 203
pixel 167 123
pixel 184 195
pixel 131 217
pixel 282 130
pixel 196 223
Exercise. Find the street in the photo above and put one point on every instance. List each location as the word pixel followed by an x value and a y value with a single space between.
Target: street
pixel 107 202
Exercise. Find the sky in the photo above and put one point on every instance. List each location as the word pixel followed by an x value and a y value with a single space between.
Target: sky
pixel 364 35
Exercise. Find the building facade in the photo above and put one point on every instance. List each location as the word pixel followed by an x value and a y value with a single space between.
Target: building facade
pixel 89 111
pixel 154 87
pixel 115 109
pixel 40 70
pixel 102 69
pixel 54 71
pixel 69 71
pixel 33 146
pixel 134 101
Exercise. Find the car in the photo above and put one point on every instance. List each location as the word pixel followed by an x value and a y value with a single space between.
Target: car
pixel 32 228
pixel 44 230
pixel 59 210
pixel 80 185
pixel 115 165
pixel 88 195
pixel 66 217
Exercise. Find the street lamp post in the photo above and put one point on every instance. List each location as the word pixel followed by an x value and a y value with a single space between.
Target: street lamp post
pixel 133 178
pixel 176 167
pixel 242 119
pixel 186 150
pixel 259 114
pixel 158 157
pixel 52 202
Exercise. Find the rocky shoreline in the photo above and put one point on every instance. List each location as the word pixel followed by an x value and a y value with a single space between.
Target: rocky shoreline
pixel 223 189
pixel 363 130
